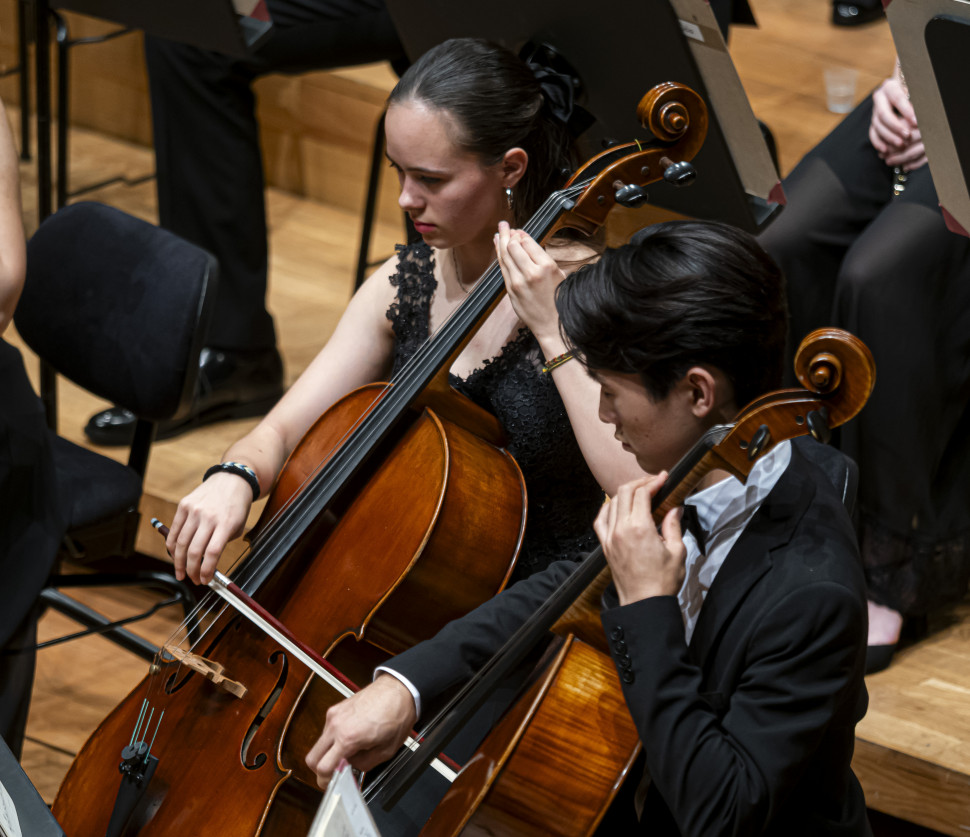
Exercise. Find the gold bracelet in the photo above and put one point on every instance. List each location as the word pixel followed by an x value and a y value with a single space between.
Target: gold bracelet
pixel 558 360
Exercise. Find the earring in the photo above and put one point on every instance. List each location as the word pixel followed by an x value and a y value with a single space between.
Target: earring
pixel 509 197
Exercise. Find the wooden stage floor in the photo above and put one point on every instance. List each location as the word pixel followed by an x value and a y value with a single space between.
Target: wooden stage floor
pixel 913 754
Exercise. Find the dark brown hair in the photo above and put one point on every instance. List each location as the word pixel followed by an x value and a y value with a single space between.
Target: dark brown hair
pixel 496 104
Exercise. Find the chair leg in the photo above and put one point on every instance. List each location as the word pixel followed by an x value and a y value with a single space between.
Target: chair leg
pixel 64 44
pixel 152 579
pixel 141 446
pixel 370 204
pixel 48 393
pixel 111 628
pixel 63 117
pixel 23 39
pixel 95 621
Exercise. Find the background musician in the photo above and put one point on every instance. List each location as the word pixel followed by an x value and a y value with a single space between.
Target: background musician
pixel 742 659
pixel 209 172
pixel 864 247
pixel 474 142
pixel 211 191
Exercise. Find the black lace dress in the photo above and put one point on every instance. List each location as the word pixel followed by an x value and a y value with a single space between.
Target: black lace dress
pixel 563 495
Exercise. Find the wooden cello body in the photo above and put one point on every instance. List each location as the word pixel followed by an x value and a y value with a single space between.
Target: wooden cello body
pixel 391 569
pixel 518 782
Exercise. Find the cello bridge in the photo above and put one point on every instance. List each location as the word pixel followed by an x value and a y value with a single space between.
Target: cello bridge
pixel 209 669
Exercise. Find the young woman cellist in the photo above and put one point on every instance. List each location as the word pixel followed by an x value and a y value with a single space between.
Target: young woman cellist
pixel 474 142
pixel 477 149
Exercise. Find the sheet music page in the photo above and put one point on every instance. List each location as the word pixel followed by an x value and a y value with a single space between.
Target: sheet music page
pixel 9 823
pixel 343 813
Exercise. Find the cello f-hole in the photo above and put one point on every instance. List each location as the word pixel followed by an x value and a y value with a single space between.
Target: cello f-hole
pixel 264 710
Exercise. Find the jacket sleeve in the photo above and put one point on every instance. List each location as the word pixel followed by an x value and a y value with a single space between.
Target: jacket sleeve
pixel 725 764
pixel 459 649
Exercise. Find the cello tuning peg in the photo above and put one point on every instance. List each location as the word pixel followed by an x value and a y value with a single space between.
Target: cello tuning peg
pixel 759 441
pixel 630 195
pixel 818 425
pixel 609 142
pixel 680 174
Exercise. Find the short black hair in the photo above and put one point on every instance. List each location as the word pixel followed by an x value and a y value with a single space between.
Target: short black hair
pixel 681 293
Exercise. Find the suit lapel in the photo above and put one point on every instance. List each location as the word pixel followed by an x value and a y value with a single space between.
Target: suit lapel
pixel 751 557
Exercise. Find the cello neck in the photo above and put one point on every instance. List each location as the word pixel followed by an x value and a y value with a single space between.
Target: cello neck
pixel 435 355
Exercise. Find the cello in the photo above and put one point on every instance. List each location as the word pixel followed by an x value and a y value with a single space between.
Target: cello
pixel 557 759
pixel 225 703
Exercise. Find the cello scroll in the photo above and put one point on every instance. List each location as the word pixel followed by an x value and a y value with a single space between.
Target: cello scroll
pixel 838 374
pixel 677 117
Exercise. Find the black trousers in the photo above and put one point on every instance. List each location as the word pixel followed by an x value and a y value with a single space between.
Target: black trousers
pixel 208 160
pixel 886 269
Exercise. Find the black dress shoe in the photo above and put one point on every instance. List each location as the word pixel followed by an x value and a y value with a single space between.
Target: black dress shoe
pixel 856 14
pixel 878 657
pixel 231 384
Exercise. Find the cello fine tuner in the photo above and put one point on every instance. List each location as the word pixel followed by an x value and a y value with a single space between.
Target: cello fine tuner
pixel 209 669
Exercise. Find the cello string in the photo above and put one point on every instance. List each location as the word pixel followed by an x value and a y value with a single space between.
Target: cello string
pixel 301 510
pixel 302 506
pixel 193 618
pixel 550 210
pixel 375 424
pixel 223 587
pixel 279 515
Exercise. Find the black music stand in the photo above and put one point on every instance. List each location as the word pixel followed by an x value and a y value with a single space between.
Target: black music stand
pixel 933 39
pixel 209 24
pixel 33 816
pixel 617 56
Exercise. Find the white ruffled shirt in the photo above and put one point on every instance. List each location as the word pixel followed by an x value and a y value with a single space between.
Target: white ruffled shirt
pixel 724 510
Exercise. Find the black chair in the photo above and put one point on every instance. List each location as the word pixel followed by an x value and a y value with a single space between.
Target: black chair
pixel 65 44
pixel 370 208
pixel 120 307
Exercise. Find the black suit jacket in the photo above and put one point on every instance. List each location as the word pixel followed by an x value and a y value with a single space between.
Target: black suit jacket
pixel 750 729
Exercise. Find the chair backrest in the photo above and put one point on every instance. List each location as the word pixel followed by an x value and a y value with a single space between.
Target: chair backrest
pixel 118 306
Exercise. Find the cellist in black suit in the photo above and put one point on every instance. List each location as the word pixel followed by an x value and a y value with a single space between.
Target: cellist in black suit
pixel 740 648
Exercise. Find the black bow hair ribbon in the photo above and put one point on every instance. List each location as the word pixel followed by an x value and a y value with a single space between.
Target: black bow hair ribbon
pixel 558 90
